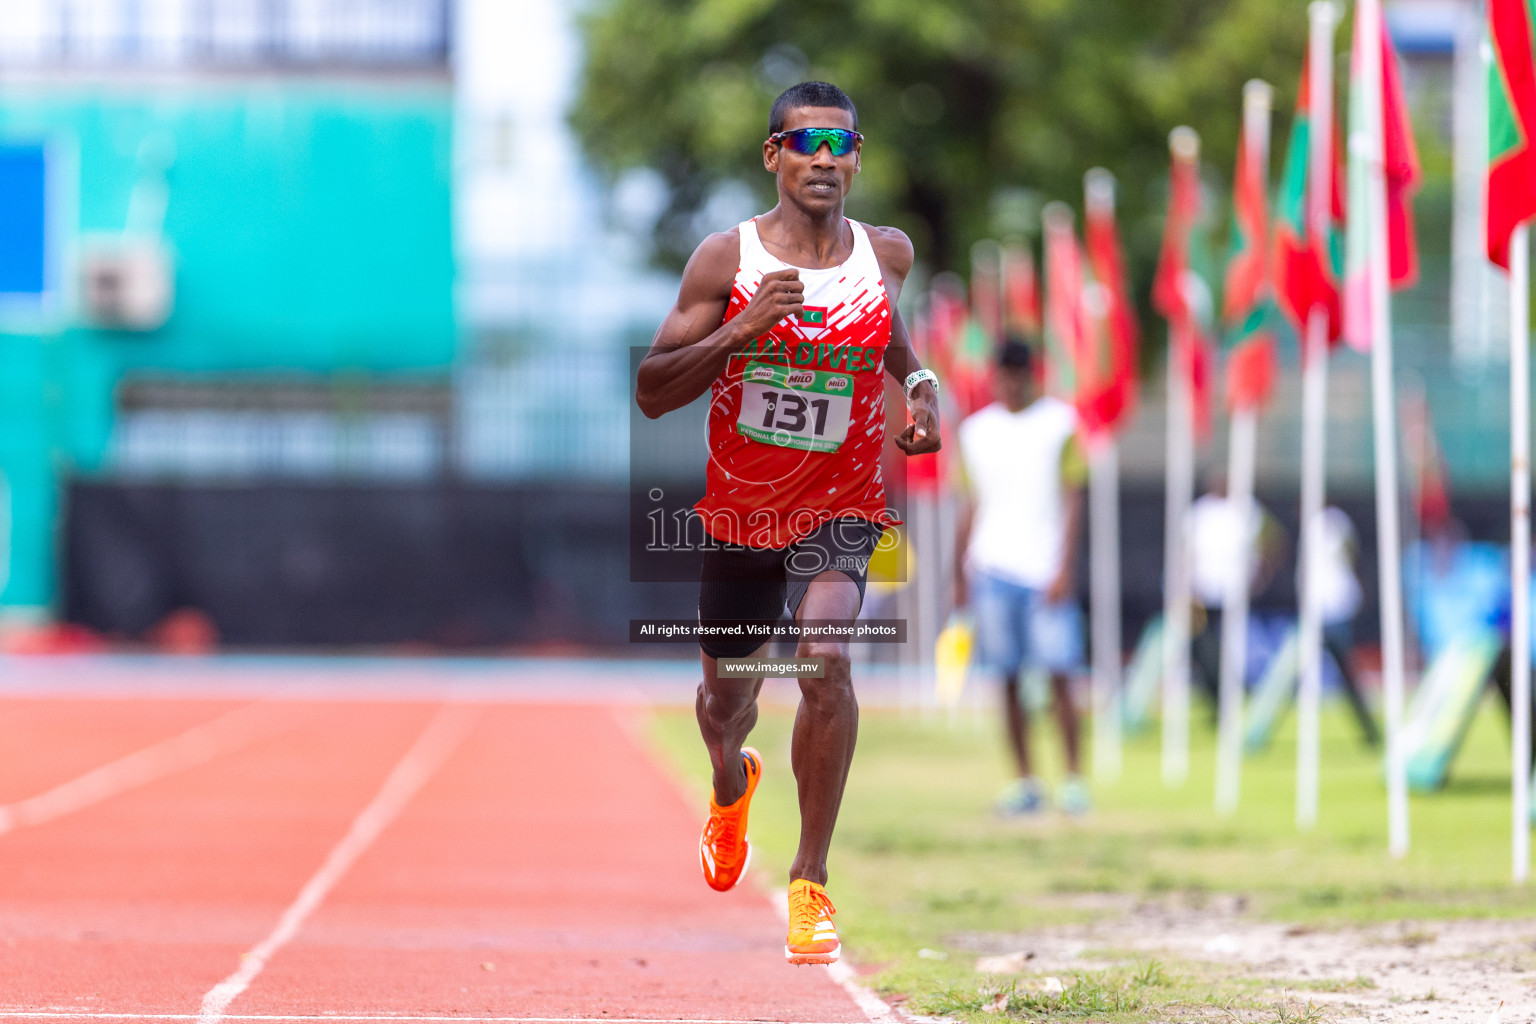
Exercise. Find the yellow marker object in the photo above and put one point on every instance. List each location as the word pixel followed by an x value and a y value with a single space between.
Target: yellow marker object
pixel 952 658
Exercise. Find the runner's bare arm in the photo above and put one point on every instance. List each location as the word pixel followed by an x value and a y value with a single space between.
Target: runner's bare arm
pixel 692 346
pixel 922 434
pixel 894 251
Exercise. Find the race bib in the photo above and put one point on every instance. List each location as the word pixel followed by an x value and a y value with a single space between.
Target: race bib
pixel 790 408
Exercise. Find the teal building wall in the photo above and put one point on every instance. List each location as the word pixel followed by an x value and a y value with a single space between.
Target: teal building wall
pixel 311 227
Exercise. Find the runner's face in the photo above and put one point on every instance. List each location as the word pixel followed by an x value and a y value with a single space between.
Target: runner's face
pixel 819 181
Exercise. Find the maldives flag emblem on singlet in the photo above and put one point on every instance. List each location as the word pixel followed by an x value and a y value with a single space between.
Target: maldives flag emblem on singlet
pixel 813 316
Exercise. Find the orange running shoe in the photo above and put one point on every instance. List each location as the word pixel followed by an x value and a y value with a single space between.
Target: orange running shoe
pixel 812 936
pixel 724 852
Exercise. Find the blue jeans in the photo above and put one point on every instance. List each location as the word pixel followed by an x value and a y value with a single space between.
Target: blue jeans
pixel 1018 629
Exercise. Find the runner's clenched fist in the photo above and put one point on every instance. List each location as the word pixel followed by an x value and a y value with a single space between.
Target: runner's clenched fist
pixel 780 295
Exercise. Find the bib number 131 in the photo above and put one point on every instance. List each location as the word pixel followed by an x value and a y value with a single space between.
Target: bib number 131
pixel 806 416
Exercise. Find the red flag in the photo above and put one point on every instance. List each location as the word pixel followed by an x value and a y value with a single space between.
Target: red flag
pixel 1021 291
pixel 1511 123
pixel 1401 160
pixel 1168 292
pixel 1252 368
pixel 1177 292
pixel 1108 402
pixel 938 336
pixel 1400 170
pixel 1307 267
pixel 946 315
pixel 921 473
pixel 962 351
pixel 1066 327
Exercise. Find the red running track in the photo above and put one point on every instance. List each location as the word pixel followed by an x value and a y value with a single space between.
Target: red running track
pixel 537 865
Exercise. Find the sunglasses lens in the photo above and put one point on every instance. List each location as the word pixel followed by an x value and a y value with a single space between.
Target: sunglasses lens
pixel 841 142
pixel 806 141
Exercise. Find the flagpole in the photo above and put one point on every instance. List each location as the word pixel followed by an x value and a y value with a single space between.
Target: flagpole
pixel 1240 463
pixel 1234 615
pixel 1314 397
pixel 1180 486
pixel 922 540
pixel 1104 519
pixel 1520 544
pixel 1388 544
pixel 1184 144
pixel 1104 540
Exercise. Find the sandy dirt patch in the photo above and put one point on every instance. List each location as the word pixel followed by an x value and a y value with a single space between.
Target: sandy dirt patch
pixel 1402 971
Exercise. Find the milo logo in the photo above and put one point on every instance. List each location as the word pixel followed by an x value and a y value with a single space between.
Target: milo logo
pixel 762 373
pixel 800 379
pixel 837 383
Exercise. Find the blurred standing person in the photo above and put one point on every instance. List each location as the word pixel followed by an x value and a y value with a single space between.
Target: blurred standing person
pixel 1221 544
pixel 1021 481
pixel 789 322
pixel 1340 596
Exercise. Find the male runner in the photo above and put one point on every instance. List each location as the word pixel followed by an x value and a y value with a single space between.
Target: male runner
pixel 788 320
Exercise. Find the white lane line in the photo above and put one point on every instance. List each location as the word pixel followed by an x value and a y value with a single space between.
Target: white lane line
pixel 842 972
pixel 198 745
pixel 402 1019
pixel 437 741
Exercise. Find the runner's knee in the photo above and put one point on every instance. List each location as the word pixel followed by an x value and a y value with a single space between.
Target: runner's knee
pixel 718 648
pixel 834 659
pixel 726 700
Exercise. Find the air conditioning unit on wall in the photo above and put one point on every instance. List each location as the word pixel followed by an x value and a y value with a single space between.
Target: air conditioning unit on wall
pixel 127 282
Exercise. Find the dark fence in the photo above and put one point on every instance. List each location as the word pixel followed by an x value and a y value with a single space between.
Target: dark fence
pixel 1485 518
pixel 464 566
pixel 332 564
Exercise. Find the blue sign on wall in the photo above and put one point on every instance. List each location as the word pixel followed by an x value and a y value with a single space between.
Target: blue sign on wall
pixel 24 255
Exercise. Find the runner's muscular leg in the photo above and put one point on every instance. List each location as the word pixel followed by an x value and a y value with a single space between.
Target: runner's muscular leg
pixel 826 724
pixel 727 711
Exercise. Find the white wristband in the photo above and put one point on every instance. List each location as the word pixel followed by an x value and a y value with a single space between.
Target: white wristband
pixel 915 378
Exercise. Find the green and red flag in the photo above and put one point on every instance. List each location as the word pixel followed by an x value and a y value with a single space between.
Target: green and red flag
pixel 1400 168
pixel 1178 293
pixel 1247 305
pixel 1511 122
pixel 1107 401
pixel 1307 268
pixel 1246 285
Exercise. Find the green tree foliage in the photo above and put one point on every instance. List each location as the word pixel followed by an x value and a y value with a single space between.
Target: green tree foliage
pixel 963 102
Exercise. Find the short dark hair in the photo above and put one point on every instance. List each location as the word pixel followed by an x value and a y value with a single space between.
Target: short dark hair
pixel 1014 354
pixel 809 94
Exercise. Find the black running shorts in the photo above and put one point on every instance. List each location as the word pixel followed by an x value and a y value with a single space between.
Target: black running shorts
pixel 754 585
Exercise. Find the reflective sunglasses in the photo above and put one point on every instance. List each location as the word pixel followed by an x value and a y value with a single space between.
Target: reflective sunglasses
pixel 806 141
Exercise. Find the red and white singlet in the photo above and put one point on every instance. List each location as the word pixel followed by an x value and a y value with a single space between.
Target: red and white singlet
pixel 797 420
